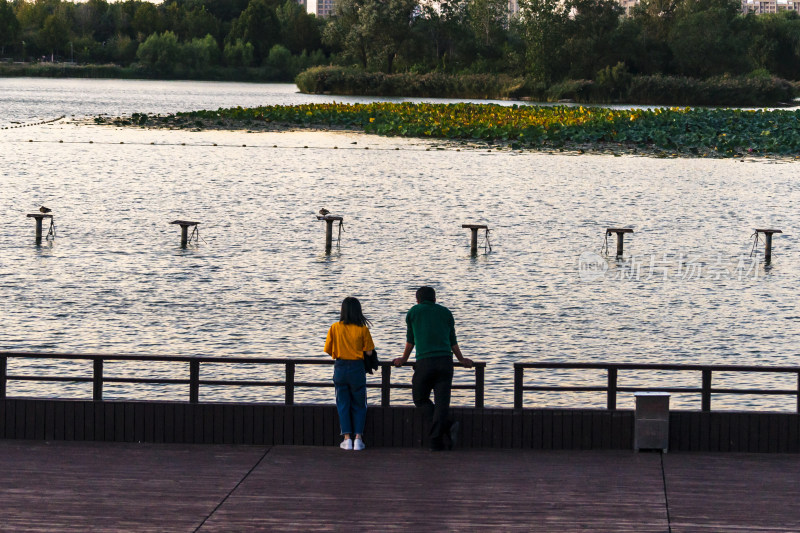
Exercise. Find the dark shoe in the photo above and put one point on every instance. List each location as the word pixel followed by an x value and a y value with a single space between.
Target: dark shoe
pixel 455 427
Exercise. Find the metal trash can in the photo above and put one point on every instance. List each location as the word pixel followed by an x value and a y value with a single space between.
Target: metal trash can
pixel 651 421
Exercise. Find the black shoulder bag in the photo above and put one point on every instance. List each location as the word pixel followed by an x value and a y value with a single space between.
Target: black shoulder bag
pixel 371 361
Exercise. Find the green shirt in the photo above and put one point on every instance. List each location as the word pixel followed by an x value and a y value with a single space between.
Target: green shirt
pixel 431 329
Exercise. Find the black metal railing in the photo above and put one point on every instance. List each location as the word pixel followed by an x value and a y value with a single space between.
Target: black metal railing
pixel 194 381
pixel 612 387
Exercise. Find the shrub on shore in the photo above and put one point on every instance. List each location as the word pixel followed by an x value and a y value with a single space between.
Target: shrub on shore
pixel 719 91
pixel 349 81
pixel 613 84
pixel 279 72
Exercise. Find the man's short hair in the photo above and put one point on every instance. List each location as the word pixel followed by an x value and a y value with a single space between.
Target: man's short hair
pixel 426 294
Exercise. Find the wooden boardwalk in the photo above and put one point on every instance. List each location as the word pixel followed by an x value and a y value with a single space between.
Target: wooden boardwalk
pixel 93 486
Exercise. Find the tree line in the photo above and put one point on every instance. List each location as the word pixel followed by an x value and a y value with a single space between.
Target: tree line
pixel 547 41
pixel 173 39
pixel 553 40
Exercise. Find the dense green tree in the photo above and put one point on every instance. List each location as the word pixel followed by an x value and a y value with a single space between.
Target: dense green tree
pixel 146 19
pixel 198 23
pixel 345 33
pixel 443 38
pixel 122 14
pixel 160 52
pixel 373 31
pixel 589 31
pixel 239 54
pixel 9 27
pixel 775 43
pixel 709 42
pixel 299 30
pixel 652 20
pixel 543 28
pixel 257 25
pixel 488 20
pixel 54 34
pixel 93 18
pixel 201 53
pixel 223 10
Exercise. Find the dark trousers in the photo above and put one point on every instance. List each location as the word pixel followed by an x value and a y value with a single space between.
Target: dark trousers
pixel 433 374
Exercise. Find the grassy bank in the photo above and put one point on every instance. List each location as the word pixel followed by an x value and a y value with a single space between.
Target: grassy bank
pixel 673 131
pixel 66 70
pixel 645 90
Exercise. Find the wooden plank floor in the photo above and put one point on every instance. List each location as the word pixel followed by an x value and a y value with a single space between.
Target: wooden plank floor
pixel 79 486
pixel 414 490
pixel 733 492
pixel 115 487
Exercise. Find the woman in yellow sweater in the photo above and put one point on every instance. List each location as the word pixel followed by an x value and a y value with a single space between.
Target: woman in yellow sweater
pixel 346 342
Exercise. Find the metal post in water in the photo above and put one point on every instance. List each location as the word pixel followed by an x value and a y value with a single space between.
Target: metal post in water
pixel 473 243
pixel 184 224
pixel 38 217
pixel 768 242
pixel 329 220
pixel 620 237
pixel 328 236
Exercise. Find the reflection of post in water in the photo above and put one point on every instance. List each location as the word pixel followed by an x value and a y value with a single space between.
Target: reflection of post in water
pixel 185 224
pixel 39 217
pixel 329 220
pixel 473 242
pixel 767 243
pixel 620 236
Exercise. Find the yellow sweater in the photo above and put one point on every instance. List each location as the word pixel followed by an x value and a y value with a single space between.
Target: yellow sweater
pixel 348 341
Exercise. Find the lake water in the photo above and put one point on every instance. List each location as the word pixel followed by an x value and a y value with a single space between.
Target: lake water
pixel 115 279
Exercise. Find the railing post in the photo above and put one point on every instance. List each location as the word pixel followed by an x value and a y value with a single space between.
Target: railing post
pixel 479 382
pixel 289 395
pixel 3 374
pixel 798 392
pixel 706 390
pixel 97 380
pixel 194 381
pixel 386 385
pixel 611 393
pixel 518 370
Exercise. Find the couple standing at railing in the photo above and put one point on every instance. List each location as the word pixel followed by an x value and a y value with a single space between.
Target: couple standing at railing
pixel 430 329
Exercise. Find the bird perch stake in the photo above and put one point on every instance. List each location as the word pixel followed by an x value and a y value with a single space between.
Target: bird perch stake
pixel 473 243
pixel 42 214
pixel 329 219
pixel 184 224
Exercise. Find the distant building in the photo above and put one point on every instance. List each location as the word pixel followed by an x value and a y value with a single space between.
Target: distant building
pixel 748 6
pixel 627 5
pixel 769 6
pixel 320 8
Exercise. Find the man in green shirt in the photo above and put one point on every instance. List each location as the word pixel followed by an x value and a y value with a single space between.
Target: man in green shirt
pixel 431 329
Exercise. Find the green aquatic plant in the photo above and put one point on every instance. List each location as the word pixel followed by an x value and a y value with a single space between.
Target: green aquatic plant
pixel 689 131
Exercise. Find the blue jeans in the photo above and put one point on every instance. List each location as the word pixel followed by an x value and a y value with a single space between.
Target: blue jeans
pixel 350 380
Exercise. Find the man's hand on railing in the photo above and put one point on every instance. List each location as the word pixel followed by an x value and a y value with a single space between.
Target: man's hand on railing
pixel 467 363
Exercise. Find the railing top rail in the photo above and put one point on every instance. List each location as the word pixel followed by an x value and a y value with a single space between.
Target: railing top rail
pixel 660 366
pixel 181 358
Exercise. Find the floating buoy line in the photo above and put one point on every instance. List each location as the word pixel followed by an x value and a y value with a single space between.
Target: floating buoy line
pixel 285 147
pixel 486 148
pixel 29 124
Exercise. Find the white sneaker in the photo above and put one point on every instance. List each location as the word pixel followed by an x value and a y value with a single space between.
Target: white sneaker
pixel 347 444
pixel 359 445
